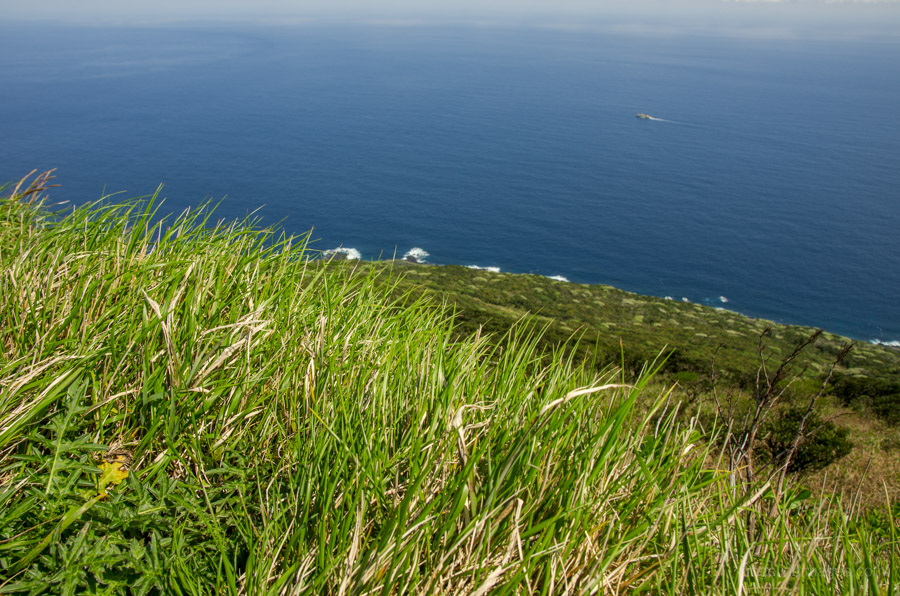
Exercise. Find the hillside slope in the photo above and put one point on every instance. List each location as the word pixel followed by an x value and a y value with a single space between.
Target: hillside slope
pixel 197 409
pixel 609 320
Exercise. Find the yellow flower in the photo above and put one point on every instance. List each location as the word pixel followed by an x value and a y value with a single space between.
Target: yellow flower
pixel 112 474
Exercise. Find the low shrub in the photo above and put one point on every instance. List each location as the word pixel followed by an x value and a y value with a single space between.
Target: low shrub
pixel 821 443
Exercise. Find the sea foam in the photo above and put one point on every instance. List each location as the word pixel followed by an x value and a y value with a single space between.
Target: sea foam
pixel 557 278
pixel 350 254
pixel 479 267
pixel 889 344
pixel 416 255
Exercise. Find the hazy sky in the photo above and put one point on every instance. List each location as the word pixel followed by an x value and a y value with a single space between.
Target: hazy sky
pixel 853 17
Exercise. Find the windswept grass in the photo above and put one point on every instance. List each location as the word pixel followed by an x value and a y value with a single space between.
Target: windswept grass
pixel 607 317
pixel 287 427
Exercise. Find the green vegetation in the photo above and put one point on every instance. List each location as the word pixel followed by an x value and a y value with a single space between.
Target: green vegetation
pixel 608 319
pixel 197 408
pixel 877 393
pixel 701 343
pixel 827 444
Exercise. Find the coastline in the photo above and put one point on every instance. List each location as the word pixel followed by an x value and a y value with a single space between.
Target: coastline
pixel 418 256
pixel 609 324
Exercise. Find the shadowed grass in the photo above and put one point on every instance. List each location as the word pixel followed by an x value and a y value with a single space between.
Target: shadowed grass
pixel 286 427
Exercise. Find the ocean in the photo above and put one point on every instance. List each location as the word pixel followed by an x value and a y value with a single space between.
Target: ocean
pixel 768 181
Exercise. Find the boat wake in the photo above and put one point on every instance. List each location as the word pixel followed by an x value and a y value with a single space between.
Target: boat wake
pixel 643 116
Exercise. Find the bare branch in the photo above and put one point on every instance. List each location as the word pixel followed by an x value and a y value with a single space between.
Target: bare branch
pixel 798 436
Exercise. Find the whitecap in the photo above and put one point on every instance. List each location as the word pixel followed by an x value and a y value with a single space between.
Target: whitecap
pixel 668 298
pixel 723 299
pixel 350 254
pixel 889 344
pixel 479 267
pixel 557 278
pixel 416 255
pixel 684 299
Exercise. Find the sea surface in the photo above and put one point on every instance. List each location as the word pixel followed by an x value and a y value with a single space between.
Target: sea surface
pixel 769 182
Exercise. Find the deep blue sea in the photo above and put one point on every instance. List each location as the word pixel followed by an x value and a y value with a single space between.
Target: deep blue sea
pixel 771 178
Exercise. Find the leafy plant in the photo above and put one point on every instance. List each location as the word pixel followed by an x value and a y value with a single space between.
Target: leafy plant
pixel 821 444
pixel 879 395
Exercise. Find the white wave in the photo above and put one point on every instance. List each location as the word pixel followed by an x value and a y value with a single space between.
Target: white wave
pixel 668 298
pixel 557 278
pixel 350 254
pixel 416 254
pixel 890 344
pixel 479 267
pixel 684 299
pixel 723 299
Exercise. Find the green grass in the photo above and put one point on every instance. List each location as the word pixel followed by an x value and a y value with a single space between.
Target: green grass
pixel 607 318
pixel 290 427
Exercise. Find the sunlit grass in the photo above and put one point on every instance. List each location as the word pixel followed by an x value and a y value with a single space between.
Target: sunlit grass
pixel 287 427
pixel 607 317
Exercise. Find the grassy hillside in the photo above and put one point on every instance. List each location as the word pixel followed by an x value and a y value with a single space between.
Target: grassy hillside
pixel 621 327
pixel 197 409
pixel 609 320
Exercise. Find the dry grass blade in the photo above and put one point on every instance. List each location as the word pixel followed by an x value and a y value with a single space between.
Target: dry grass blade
pixel 580 392
pixel 166 324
